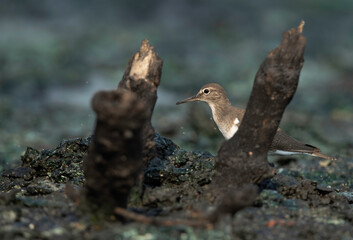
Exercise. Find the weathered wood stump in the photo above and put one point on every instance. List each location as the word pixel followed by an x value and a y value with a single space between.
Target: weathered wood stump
pixel 114 160
pixel 123 137
pixel 142 77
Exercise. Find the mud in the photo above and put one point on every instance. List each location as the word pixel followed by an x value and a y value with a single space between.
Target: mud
pixel 305 200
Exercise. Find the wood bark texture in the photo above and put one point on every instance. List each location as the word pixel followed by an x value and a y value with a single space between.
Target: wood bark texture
pixel 114 160
pixel 123 136
pixel 142 77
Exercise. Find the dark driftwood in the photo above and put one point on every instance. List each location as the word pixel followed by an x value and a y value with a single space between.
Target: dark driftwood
pixel 114 160
pixel 243 159
pixel 142 76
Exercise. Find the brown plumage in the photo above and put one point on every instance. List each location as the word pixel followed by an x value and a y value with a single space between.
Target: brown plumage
pixel 228 120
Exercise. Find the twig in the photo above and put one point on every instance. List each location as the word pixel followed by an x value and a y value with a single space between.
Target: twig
pixel 162 221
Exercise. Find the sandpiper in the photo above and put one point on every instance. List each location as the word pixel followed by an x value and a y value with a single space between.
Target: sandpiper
pixel 228 120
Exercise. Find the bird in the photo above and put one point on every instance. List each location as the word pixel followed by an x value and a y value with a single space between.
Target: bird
pixel 229 118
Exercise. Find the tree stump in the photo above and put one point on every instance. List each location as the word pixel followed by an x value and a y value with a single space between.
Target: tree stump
pixel 142 77
pixel 123 136
pixel 243 158
pixel 114 160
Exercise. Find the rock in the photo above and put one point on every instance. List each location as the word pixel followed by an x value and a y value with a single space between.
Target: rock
pixel 160 197
pixel 29 155
pixel 43 187
pixel 19 172
pixel 175 166
pixel 8 197
pixel 348 196
pixel 7 216
pixel 62 164
pixel 181 176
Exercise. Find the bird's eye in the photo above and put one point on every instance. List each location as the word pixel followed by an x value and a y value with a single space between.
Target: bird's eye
pixel 206 91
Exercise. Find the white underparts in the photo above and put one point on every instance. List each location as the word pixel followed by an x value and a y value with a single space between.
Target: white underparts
pixel 286 153
pixel 280 152
pixel 228 133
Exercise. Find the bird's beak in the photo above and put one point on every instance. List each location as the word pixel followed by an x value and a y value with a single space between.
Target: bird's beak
pixel 190 99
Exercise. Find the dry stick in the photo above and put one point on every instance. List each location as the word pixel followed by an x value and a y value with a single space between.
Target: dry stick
pixel 162 221
pixel 243 159
pixel 142 77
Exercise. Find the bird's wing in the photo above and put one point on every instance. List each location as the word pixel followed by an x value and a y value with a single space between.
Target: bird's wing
pixel 284 142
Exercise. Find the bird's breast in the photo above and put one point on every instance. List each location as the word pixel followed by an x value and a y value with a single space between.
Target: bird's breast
pixel 228 130
pixel 227 126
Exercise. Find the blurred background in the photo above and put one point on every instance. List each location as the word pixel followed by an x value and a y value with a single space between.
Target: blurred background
pixel 54 55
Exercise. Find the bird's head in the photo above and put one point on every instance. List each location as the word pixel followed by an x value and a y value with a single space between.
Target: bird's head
pixel 211 93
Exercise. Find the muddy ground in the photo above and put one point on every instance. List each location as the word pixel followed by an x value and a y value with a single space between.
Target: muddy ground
pixel 310 201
